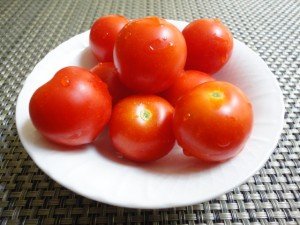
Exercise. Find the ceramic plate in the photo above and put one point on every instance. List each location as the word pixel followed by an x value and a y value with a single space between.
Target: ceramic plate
pixel 96 172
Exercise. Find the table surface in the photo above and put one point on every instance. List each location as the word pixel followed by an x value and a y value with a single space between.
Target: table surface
pixel 30 29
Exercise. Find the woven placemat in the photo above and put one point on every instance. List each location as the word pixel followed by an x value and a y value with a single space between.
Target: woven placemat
pixel 30 29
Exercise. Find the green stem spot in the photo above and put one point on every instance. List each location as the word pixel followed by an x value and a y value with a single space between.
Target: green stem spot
pixel 217 94
pixel 145 114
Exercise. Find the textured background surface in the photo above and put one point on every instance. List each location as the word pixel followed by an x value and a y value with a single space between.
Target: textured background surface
pixel 29 29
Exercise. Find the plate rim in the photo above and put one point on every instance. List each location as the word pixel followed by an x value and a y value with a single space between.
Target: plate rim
pixel 153 206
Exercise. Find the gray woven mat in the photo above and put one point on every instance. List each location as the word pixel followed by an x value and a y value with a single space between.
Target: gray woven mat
pixel 29 29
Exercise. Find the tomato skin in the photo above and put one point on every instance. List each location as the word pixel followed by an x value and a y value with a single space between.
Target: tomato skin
pixel 149 54
pixel 72 108
pixel 185 83
pixel 108 73
pixel 209 45
pixel 141 127
pixel 213 121
pixel 103 35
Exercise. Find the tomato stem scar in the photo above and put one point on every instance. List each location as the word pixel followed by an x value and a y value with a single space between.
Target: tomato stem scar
pixel 217 94
pixel 145 114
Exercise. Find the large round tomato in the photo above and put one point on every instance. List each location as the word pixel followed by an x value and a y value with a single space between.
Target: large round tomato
pixel 209 45
pixel 185 83
pixel 103 35
pixel 72 108
pixel 213 121
pixel 149 54
pixel 108 73
pixel 141 127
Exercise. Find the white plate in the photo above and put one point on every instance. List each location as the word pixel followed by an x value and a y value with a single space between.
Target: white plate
pixel 95 172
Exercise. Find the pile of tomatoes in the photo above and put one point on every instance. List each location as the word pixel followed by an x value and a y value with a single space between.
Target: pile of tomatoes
pixel 153 86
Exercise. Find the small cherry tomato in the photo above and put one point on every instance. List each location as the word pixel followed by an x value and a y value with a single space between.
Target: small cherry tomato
pixel 72 108
pixel 209 45
pixel 141 127
pixel 103 35
pixel 149 54
pixel 185 83
pixel 213 121
pixel 109 74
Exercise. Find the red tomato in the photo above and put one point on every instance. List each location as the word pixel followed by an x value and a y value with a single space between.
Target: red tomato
pixel 109 74
pixel 209 45
pixel 149 54
pixel 141 127
pixel 213 121
pixel 185 83
pixel 103 35
pixel 72 108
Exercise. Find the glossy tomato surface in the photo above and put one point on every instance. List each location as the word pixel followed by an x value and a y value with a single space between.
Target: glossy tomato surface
pixel 108 73
pixel 213 121
pixel 209 45
pixel 149 54
pixel 185 83
pixel 72 108
pixel 103 35
pixel 141 127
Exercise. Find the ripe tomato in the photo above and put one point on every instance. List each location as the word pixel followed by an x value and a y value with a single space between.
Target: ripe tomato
pixel 141 127
pixel 103 35
pixel 209 45
pixel 213 121
pixel 72 108
pixel 149 54
pixel 185 83
pixel 109 74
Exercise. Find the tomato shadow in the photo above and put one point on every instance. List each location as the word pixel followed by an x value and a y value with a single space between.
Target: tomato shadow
pixel 87 59
pixel 178 163
pixel 175 163
pixel 105 148
pixel 32 137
